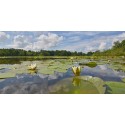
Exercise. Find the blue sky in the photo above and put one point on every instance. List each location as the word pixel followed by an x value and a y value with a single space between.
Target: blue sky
pixel 60 40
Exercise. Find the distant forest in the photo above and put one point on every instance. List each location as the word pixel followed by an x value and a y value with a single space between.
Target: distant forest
pixel 118 49
pixel 21 52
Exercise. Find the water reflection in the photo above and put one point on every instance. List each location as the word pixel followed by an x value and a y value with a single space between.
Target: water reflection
pixel 18 60
pixel 33 72
pixel 34 82
pixel 76 81
pixel 27 83
pixel 103 72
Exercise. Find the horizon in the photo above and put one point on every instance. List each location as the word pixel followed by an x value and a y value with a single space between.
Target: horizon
pixel 80 41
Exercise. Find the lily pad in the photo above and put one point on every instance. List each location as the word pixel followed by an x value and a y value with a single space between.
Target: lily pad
pixel 91 64
pixel 46 71
pixel 78 85
pixel 7 75
pixel 99 83
pixel 123 79
pixel 116 87
pixel 66 87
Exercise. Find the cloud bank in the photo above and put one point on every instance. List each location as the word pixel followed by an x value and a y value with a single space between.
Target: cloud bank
pixel 61 40
pixel 41 42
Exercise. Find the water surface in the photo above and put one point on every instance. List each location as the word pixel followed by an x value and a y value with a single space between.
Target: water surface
pixel 57 82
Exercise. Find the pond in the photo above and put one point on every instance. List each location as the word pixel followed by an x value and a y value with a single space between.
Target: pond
pixel 55 76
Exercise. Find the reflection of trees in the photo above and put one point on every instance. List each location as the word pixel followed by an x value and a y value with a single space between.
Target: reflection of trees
pixel 10 61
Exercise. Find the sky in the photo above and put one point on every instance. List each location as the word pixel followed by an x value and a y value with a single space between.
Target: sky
pixel 80 41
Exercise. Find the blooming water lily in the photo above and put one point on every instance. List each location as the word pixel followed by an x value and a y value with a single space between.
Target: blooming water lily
pixel 76 70
pixel 32 67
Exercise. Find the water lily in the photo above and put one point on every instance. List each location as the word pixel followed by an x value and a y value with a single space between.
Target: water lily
pixel 76 70
pixel 71 58
pixel 32 67
pixel 109 61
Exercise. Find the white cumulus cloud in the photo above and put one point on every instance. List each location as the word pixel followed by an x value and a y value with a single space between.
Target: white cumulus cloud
pixel 22 42
pixel 3 36
pixel 102 46
pixel 46 41
pixel 37 43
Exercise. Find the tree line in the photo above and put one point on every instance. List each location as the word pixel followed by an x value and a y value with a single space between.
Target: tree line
pixel 21 52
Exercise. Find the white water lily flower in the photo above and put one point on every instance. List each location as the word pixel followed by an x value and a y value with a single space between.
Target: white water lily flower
pixel 71 58
pixel 32 67
pixel 76 70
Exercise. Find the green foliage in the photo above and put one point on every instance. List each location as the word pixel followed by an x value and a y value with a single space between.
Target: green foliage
pixel 21 52
pixel 118 49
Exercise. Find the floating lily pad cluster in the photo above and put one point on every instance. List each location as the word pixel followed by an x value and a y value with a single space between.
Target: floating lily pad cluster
pixel 117 66
pixel 44 67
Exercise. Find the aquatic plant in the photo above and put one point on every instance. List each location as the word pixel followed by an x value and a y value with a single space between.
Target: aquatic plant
pixel 79 85
pixel 76 70
pixel 91 64
pixel 115 87
pixel 123 79
pixel 32 67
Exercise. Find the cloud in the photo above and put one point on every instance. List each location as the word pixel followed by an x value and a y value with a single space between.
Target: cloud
pixel 102 46
pixel 96 42
pixel 21 41
pixel 41 42
pixel 4 36
pixel 47 41
pixel 70 40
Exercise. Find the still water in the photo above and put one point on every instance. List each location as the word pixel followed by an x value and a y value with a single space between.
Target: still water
pixel 58 82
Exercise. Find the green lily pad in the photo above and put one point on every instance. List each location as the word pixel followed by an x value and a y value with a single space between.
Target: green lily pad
pixel 78 85
pixel 123 79
pixel 45 70
pixel 99 83
pixel 7 75
pixel 66 87
pixel 116 87
pixel 91 64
